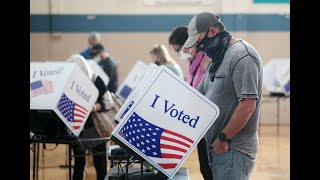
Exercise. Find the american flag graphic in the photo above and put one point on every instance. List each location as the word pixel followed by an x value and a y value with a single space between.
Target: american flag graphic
pixel 41 87
pixel 163 146
pixel 73 112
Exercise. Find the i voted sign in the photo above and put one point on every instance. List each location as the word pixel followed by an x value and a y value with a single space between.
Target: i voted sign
pixel 166 122
pixel 134 77
pixel 64 88
pixel 137 92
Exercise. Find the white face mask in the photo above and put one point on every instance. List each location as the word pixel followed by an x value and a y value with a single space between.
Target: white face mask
pixel 184 56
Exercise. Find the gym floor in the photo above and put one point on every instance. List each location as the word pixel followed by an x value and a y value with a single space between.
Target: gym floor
pixel 273 160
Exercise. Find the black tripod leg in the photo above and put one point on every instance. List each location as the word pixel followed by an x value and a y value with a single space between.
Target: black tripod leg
pixel 127 165
pixel 141 166
pixel 69 159
pixel 34 161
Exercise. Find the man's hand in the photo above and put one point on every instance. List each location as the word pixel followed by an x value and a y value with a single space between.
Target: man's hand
pixel 96 107
pixel 219 147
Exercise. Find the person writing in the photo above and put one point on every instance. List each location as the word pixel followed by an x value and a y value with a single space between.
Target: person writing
pixel 98 150
pixel 233 81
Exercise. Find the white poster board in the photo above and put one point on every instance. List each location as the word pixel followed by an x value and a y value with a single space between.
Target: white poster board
pixel 283 77
pixel 64 88
pixel 136 93
pixel 134 77
pixel 96 69
pixel 162 125
pixel 276 76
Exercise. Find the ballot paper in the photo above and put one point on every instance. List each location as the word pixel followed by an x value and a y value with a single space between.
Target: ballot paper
pixel 164 119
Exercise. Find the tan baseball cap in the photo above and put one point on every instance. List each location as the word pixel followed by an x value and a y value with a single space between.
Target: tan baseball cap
pixel 198 24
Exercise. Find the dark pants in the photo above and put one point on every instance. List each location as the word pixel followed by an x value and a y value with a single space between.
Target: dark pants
pixel 204 160
pixel 100 161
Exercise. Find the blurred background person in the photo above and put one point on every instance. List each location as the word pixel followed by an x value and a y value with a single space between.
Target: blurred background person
pixel 89 131
pixel 108 64
pixel 160 56
pixel 198 63
pixel 93 38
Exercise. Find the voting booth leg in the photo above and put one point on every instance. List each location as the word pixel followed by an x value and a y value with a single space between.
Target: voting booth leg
pixel 127 165
pixel 141 170
pixel 37 161
pixel 278 115
pixel 34 161
pixel 43 166
pixel 69 163
pixel 36 150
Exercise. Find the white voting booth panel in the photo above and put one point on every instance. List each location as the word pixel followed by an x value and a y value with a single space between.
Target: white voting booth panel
pixel 96 69
pixel 64 88
pixel 150 72
pixel 276 76
pixel 165 121
pixel 134 77
pixel 283 77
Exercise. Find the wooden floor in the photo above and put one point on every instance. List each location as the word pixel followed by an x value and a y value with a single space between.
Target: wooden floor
pixel 273 161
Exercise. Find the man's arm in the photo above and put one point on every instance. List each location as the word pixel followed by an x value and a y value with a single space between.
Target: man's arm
pixel 240 117
pixel 238 120
pixel 245 78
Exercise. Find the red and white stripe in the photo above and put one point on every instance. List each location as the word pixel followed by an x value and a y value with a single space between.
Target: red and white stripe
pixel 173 148
pixel 79 116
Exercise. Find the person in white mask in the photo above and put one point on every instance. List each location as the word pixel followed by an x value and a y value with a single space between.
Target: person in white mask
pixel 198 63
pixel 160 56
pixel 185 56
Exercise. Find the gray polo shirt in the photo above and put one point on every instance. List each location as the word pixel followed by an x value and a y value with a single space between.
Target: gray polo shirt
pixel 239 76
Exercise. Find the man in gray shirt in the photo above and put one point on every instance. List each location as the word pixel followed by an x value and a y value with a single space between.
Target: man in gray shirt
pixel 233 81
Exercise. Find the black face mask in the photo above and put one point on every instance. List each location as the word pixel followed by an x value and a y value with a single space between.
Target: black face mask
pixel 215 49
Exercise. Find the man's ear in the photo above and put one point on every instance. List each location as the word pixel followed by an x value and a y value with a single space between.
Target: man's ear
pixel 213 31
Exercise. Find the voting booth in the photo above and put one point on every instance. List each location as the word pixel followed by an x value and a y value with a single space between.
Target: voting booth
pixel 134 77
pixel 276 76
pixel 62 96
pixel 96 69
pixel 163 120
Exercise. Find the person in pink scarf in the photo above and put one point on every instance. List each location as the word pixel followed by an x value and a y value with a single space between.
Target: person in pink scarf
pixel 198 63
